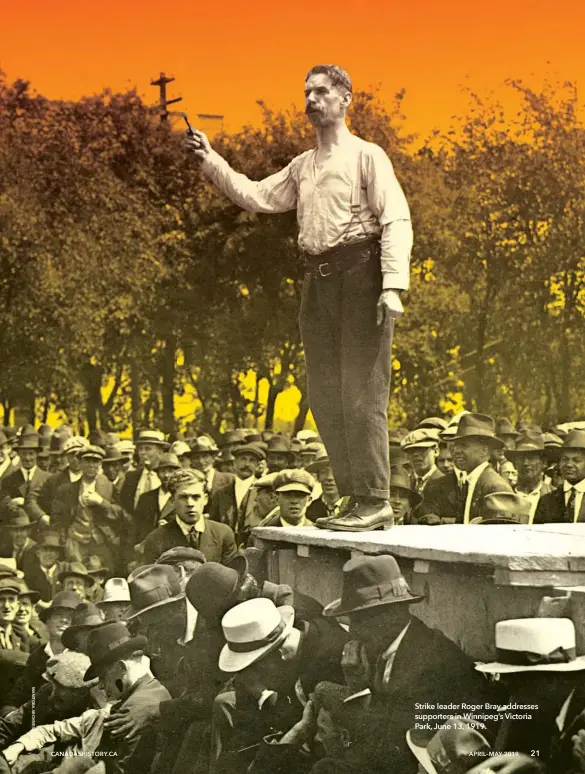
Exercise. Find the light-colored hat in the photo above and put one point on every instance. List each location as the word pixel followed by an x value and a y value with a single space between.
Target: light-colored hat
pixel 422 438
pixel 534 645
pixel 180 448
pixel 294 480
pixel 307 436
pixel 75 444
pixel 253 629
pixel 127 448
pixel 115 590
pixel 152 436
pixel 456 746
pixel 68 670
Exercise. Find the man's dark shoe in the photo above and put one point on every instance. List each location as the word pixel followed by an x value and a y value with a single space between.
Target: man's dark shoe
pixel 349 507
pixel 368 515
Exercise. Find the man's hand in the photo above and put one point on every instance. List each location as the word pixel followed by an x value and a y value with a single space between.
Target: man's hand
pixel 131 722
pixel 355 666
pixel 389 306
pixel 305 729
pixel 91 498
pixel 12 752
pixel 197 144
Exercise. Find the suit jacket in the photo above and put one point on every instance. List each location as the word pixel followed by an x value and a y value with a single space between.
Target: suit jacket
pixel 128 490
pixel 217 542
pixel 223 506
pixel 14 486
pixel 148 514
pixel 45 497
pixel 443 496
pixel 551 508
pixel 66 505
pixel 435 475
pixel 36 579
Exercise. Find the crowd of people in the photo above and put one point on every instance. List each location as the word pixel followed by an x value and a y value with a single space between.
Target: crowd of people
pixel 136 633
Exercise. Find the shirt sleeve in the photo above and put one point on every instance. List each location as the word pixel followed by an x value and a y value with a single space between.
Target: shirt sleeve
pixel 276 193
pixel 388 203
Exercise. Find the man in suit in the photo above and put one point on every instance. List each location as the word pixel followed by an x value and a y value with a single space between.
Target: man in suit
pixel 565 504
pixel 151 445
pixel 23 484
pixel 6 466
pixel 190 527
pixel 16 540
pixel 41 567
pixel 156 507
pixel 13 647
pixel 69 474
pixel 231 501
pixel 88 517
pixel 204 452
pixel 421 448
pixel 397 659
pixel 530 460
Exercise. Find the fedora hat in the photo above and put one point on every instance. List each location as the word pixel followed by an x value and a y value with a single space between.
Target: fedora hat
pixel 399 479
pixel 168 460
pixel 63 600
pixel 367 583
pixel 95 568
pixel 575 439
pixel 251 448
pixel 127 448
pixel 320 461
pixel 85 616
pixel 50 539
pixel 232 437
pixel 280 444
pixel 253 629
pixel 75 570
pixel 155 586
pixel 480 427
pixel 68 670
pixel 458 745
pixel 528 442
pixel 18 519
pixel 115 590
pixel 153 437
pixel 29 439
pixel 508 506
pixel 422 438
pixel 504 427
pixel 107 644
pixel 534 645
pixel 113 454
pixel 213 587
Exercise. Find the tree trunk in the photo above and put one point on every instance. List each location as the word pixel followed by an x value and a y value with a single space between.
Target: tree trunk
pixel 168 384
pixel 93 403
pixel 302 415
pixel 273 392
pixel 135 395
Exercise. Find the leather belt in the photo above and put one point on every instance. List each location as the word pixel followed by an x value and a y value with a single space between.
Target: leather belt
pixel 341 257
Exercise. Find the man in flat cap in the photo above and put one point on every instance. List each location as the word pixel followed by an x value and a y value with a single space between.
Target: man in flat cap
pixel 156 506
pixel 422 447
pixel 150 445
pixel 293 489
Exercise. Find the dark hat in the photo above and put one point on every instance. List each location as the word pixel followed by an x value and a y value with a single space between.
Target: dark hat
pixel 213 587
pixel 28 439
pixel 251 448
pixel 457 746
pixel 49 539
pixel 480 427
pixel 294 480
pixel 113 454
pixel 181 554
pixel 204 445
pixel 95 567
pixel 321 460
pixel 63 600
pixel 168 460
pixel 367 583
pixel 92 452
pixel 224 457
pixel 505 507
pixel 18 519
pixel 152 436
pixel 254 437
pixel 505 427
pixel 107 644
pixel 528 442
pixel 3 438
pixel 157 585
pixel 11 434
pixel 399 479
pixel 75 570
pixel 10 584
pixel 438 423
pixel 56 446
pixel 279 444
pixel 232 437
pixel 86 616
pixel 575 439
pixel 24 591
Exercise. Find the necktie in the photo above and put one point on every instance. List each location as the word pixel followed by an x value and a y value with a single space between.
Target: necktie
pixel 193 538
pixel 570 506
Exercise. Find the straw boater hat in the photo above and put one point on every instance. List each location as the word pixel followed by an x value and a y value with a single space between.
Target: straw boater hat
pixel 152 436
pixel 534 645
pixel 253 629
pixel 457 746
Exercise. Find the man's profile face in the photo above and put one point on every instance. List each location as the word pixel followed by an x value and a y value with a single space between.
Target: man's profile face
pixel 573 465
pixel 325 104
pixel 189 502
pixel 149 454
pixel 468 453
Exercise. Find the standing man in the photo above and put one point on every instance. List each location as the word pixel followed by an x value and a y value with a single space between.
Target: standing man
pixel 356 238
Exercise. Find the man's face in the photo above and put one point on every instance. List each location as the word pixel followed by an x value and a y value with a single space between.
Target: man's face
pixel 113 681
pixel 401 505
pixel 421 459
pixel 444 459
pixel 115 611
pixel 112 470
pixel 468 453
pixel 530 467
pixel 44 462
pixel 90 467
pixel 28 458
pixel 327 481
pixel 573 465
pixel 73 583
pixel 266 500
pixel 202 461
pixel 509 472
pixel 325 104
pixel 24 612
pixel 509 441
pixel 73 462
pixel 277 461
pixel 8 607
pixel 5 450
pixel 48 557
pixel 164 474
pixel 190 502
pixel 149 454
pixel 59 620
pixel 292 506
pixel 185 461
pixel 19 536
pixel 245 465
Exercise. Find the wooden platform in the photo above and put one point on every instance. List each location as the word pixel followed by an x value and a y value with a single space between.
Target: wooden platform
pixel 471 576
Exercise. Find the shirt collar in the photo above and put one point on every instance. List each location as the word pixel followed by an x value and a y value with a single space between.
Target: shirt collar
pixel 393 647
pixel 426 476
pixel 304 522
pixel 28 474
pixel 579 486
pixel 186 528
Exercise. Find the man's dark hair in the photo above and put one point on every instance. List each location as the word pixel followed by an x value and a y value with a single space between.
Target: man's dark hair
pixel 185 477
pixel 337 75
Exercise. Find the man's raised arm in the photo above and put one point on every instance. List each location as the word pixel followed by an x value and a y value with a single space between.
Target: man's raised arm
pixel 276 193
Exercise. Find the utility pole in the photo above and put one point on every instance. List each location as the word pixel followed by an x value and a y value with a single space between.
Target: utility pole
pixel 162 82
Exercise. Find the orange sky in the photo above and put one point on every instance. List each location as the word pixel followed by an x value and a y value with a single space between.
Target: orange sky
pixel 226 55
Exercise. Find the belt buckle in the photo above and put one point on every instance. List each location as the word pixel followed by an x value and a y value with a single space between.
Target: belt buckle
pixel 320 269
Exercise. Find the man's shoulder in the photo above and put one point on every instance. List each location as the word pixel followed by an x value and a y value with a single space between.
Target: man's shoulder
pixel 218 529
pixel 492 481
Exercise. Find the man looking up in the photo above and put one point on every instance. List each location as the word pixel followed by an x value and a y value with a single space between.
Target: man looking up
pixel 356 238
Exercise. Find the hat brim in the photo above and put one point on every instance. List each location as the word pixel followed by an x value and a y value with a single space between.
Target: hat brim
pixel 100 573
pixel 491 440
pixel 420 445
pixel 415 497
pixel 15 589
pixel 229 661
pixel 153 442
pixel 59 548
pixel 156 606
pixel 317 465
pixel 514 453
pixel 71 632
pixel 33 595
pixel 418 740
pixel 294 488
pixel 497 668
pixel 87 578
pixel 134 643
pixel 335 608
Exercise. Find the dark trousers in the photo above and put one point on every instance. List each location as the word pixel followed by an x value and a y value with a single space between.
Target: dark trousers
pixel 348 360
